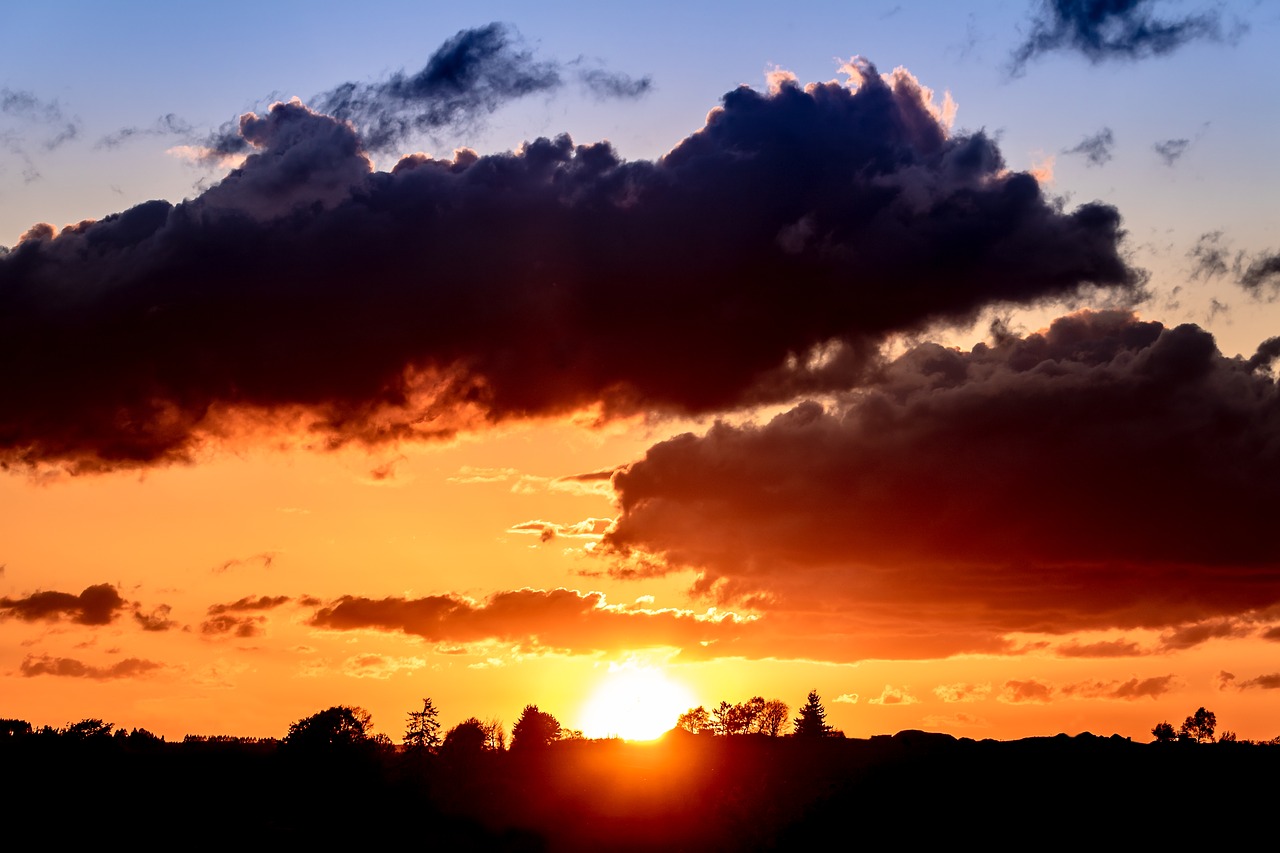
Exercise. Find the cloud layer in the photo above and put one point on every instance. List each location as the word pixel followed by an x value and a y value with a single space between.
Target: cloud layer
pixel 307 290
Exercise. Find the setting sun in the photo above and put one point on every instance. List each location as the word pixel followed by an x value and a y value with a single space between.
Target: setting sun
pixel 635 703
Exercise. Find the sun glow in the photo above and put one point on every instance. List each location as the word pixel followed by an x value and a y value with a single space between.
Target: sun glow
pixel 635 702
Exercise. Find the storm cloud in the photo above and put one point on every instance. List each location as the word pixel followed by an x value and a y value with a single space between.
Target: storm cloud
pixel 1102 30
pixel 1105 473
pixel 306 290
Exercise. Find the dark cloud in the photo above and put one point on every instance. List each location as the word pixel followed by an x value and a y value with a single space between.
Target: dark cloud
pixel 1096 149
pixel 1170 150
pixel 96 605
pixel 1102 30
pixel 307 291
pixel 34 665
pixel 1075 478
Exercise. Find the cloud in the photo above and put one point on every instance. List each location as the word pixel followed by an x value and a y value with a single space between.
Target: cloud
pixel 1068 480
pixel 1134 688
pixel 226 618
pixel 157 620
pixel 1112 30
pixel 1096 149
pixel 380 666
pixel 1263 272
pixel 1194 634
pixel 847 699
pixel 591 528
pixel 1102 649
pixel 893 696
pixel 1171 150
pixel 33 665
pixel 96 605
pixel 961 692
pixel 29 109
pixel 1018 692
pixel 168 124
pixel 558 619
pixel 469 77
pixel 306 292
pixel 1270 681
pixel 265 559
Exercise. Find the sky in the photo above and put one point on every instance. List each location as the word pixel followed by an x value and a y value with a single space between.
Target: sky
pixel 623 359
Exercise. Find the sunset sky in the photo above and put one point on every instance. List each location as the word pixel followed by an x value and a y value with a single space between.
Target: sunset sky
pixel 512 353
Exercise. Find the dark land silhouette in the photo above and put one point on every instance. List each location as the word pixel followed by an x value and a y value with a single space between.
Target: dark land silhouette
pixel 683 792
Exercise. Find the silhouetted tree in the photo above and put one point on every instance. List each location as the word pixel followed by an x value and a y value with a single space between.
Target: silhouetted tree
pixel 339 726
pixel 534 729
pixel 1164 733
pixel 695 720
pixel 466 738
pixel 86 729
pixel 1199 726
pixel 14 728
pixel 495 736
pixel 422 733
pixel 773 718
pixel 812 721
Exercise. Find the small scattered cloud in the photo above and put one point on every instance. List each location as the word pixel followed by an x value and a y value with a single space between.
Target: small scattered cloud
pixel 34 665
pixel 893 696
pixel 1171 150
pixel 1103 649
pixel 847 699
pixel 1018 692
pixel 157 620
pixel 380 666
pixel 263 560
pixel 962 692
pixel 1270 681
pixel 546 531
pixel 1096 149
pixel 1134 688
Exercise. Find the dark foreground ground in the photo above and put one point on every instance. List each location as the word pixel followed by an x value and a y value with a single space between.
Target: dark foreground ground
pixel 685 792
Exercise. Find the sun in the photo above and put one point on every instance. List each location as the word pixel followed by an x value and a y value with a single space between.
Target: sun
pixel 634 702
